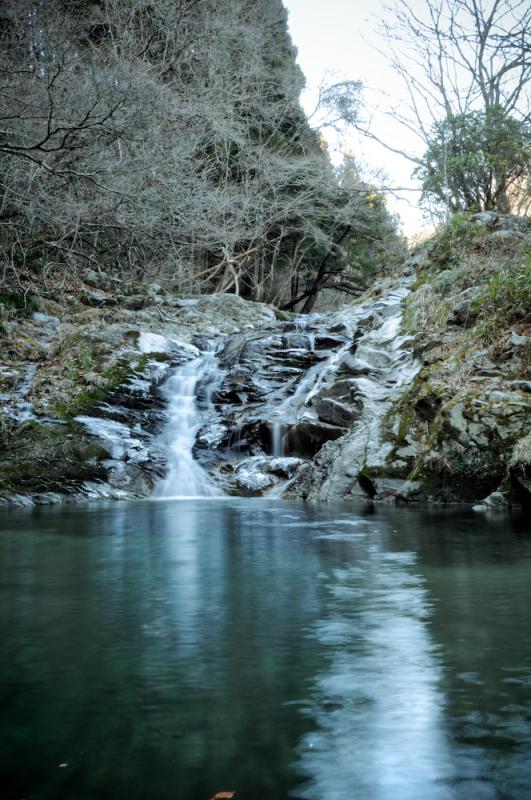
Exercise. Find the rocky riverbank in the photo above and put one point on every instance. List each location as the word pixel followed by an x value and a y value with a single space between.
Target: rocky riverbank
pixel 420 391
pixel 460 431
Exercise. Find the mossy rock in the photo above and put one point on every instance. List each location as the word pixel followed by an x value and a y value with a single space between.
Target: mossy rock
pixel 48 458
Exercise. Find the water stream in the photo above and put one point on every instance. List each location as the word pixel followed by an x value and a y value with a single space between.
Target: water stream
pixel 186 415
pixel 392 368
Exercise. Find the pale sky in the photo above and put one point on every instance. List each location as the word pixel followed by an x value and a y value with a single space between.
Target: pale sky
pixel 335 36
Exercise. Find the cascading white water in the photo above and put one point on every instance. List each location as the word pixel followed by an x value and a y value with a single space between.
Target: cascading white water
pixel 295 407
pixel 186 478
pixel 384 351
pixel 392 367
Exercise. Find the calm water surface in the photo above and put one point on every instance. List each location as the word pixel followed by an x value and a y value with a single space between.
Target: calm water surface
pixel 176 649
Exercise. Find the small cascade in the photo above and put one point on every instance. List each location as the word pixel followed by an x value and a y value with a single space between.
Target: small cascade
pixel 279 398
pixel 393 367
pixel 382 366
pixel 295 407
pixel 186 415
pixel 17 403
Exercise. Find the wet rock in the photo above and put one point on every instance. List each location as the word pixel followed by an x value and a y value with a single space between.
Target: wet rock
pixel 214 436
pixel 251 480
pixel 306 438
pixel 256 475
pixel 335 412
pixel 231 394
pixel 343 389
pixel 520 470
pixel 328 342
pixel 339 328
pixel 370 322
pixel 17 500
pixel 283 467
pixel 522 488
pixel 47 498
pixel 51 458
pixel 250 435
pixel 130 478
pixel 409 490
pixel 495 501
pixel 350 365
pixel 296 341
pixel 381 488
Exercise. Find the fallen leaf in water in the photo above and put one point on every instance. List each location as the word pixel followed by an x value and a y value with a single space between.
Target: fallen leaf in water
pixel 223 796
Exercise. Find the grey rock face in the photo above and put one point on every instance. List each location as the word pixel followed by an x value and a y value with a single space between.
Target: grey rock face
pixel 463 314
pixel 339 468
pixel 336 413
pixel 306 438
pixel 515 340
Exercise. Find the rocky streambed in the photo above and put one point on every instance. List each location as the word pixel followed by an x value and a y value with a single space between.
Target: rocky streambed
pixel 219 396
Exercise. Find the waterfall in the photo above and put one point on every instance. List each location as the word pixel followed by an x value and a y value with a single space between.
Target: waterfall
pixel 186 415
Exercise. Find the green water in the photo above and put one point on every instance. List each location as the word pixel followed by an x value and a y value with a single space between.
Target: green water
pixel 177 649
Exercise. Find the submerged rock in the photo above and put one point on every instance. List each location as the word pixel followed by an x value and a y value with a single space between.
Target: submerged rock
pixel 494 501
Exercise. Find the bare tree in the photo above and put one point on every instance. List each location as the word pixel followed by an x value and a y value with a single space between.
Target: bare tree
pixel 163 139
pixel 456 58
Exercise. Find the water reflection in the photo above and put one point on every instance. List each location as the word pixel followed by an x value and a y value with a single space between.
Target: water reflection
pixel 378 706
pixel 176 649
